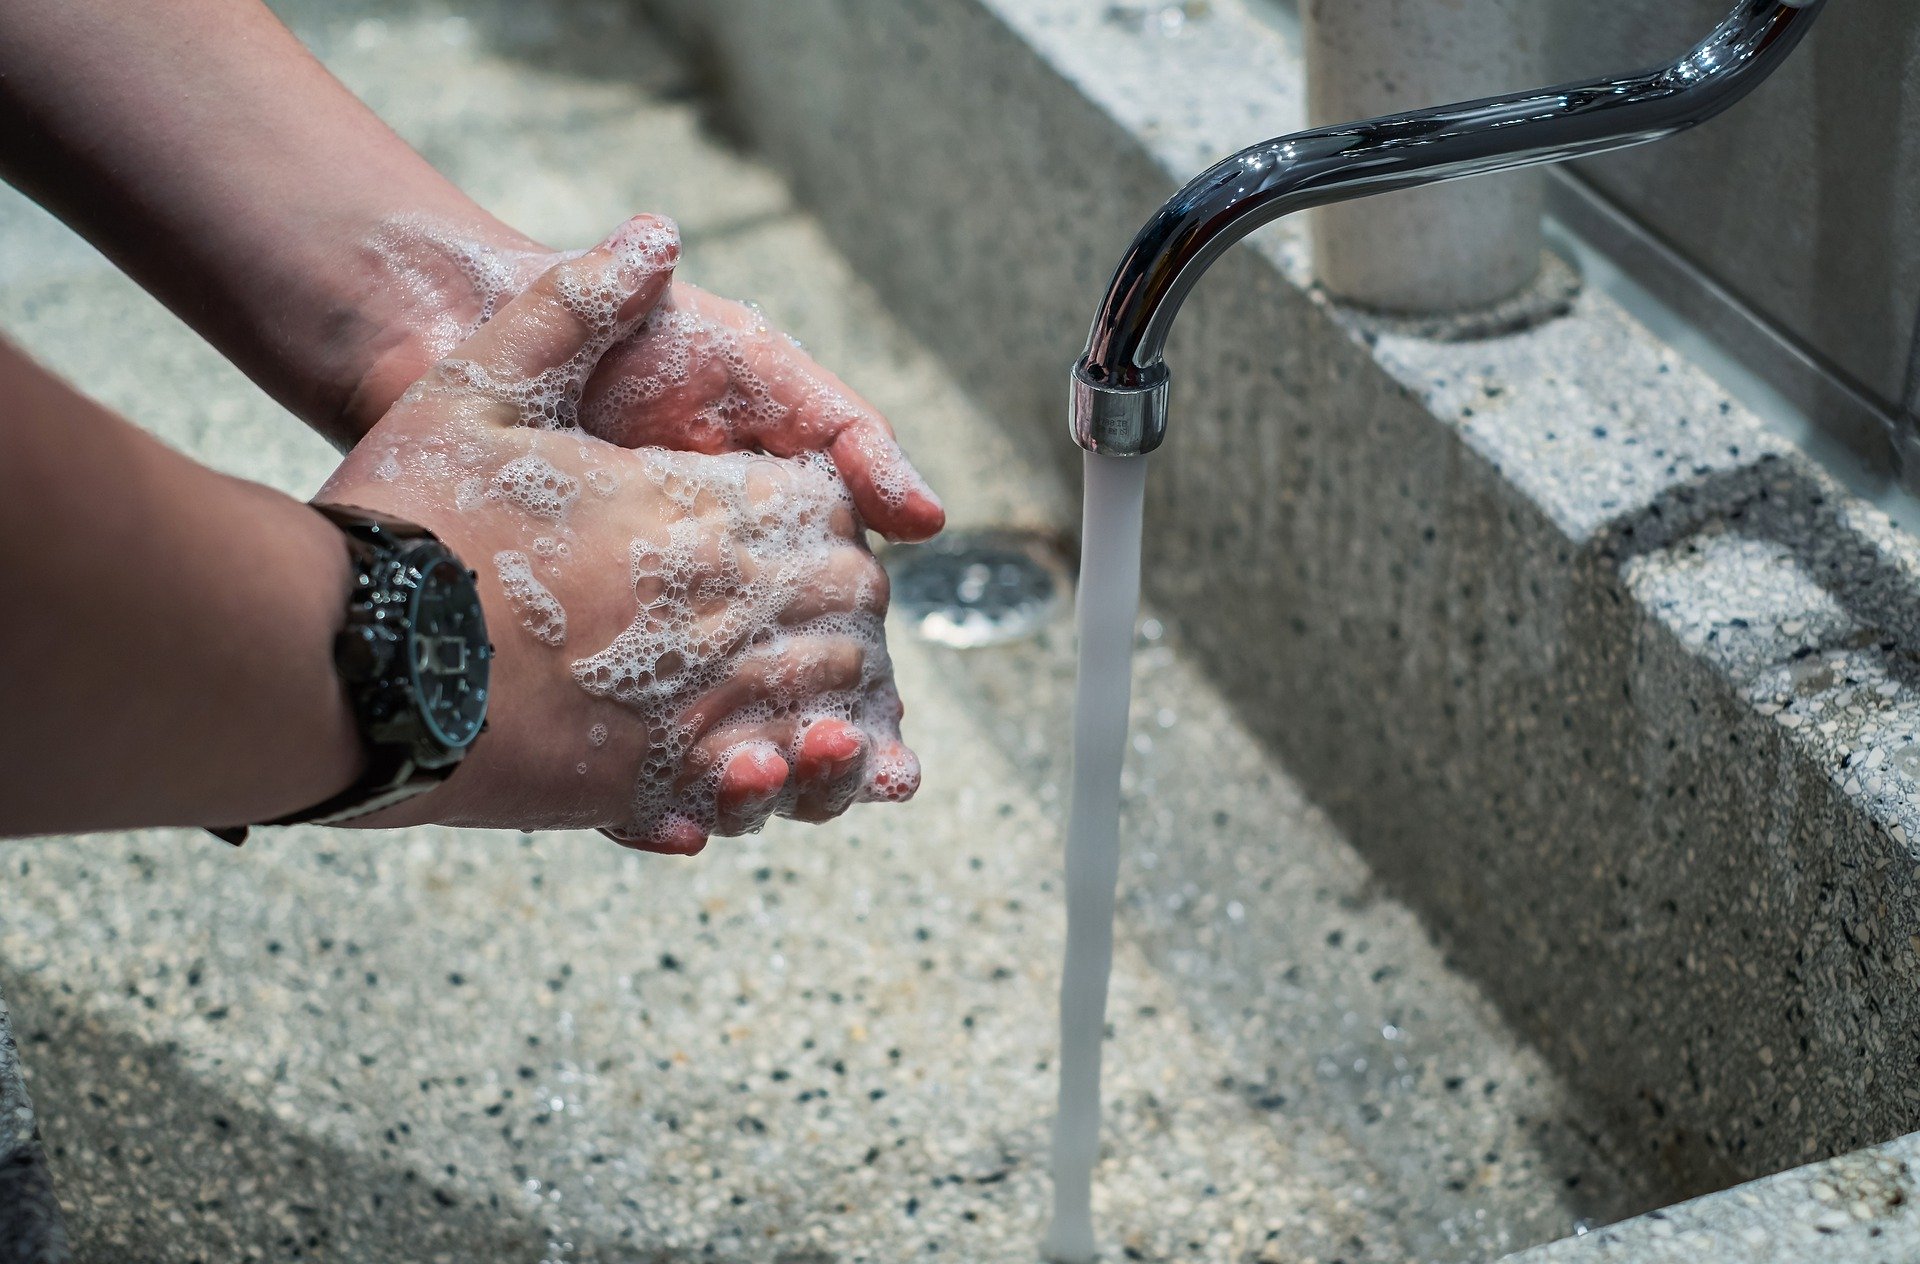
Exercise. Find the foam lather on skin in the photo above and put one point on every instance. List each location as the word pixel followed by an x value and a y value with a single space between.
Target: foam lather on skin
pixel 427 265
pixel 786 523
pixel 757 609
pixel 733 403
pixel 726 379
pixel 539 610
pixel 550 400
pixel 533 484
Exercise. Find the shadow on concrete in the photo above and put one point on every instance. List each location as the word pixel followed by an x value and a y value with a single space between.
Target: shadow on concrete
pixel 152 1162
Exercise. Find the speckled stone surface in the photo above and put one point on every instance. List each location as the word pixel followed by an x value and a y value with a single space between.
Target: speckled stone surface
pixel 1612 685
pixel 814 1046
pixel 31 1230
pixel 1863 1206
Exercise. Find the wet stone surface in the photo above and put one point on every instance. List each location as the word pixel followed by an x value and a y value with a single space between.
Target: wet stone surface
pixel 811 1046
pixel 1600 673
pixel 1861 1206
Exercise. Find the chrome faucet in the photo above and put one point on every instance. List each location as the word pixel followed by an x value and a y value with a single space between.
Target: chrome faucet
pixel 1120 384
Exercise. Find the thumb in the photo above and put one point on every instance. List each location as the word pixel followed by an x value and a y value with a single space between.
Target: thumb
pixel 538 350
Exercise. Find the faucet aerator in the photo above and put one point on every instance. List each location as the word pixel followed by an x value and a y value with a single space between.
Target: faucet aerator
pixel 1113 420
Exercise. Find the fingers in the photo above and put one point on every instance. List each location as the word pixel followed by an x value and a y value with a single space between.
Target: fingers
pixel 576 309
pixel 668 385
pixel 853 581
pixel 674 835
pixel 708 375
pixel 819 411
pixel 828 762
pixel 835 764
pixel 828 771
pixel 750 788
pixel 893 771
pixel 798 669
pixel 892 497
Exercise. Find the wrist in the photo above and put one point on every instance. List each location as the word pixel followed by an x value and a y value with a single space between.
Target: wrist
pixel 414 287
pixel 413 659
pixel 298 742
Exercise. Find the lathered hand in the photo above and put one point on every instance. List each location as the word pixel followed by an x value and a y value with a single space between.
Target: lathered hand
pixel 700 374
pixel 687 643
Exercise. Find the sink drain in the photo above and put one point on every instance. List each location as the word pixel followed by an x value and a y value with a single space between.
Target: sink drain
pixel 967 589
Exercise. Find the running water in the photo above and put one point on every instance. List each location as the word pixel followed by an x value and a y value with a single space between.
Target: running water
pixel 1109 599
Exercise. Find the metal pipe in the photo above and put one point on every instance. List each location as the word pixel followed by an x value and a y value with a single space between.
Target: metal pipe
pixel 1119 401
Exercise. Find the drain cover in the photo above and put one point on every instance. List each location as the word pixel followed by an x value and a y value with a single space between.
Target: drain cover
pixel 973 588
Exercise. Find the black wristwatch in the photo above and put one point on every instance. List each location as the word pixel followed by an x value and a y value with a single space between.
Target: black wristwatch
pixel 414 660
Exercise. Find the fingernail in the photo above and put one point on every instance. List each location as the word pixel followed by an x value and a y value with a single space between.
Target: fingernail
pixel 647 242
pixel 848 762
pixel 840 743
pixel 894 777
pixel 765 756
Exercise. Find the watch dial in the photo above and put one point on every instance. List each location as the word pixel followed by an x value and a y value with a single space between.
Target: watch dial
pixel 450 653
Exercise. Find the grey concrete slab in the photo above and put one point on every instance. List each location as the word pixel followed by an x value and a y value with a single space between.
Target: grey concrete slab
pixel 1805 202
pixel 1860 1206
pixel 1453 583
pixel 562 119
pixel 809 1046
pixel 31 1228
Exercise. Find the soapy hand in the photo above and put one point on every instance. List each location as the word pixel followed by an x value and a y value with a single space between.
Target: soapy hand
pixel 701 374
pixel 687 643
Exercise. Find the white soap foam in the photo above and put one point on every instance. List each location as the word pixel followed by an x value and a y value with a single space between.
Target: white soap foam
pixel 540 611
pixel 451 283
pixel 701 612
pixel 696 359
pixel 550 400
pixel 532 483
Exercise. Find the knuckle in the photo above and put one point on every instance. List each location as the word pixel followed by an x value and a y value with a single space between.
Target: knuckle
pixel 876 585
pixel 845 659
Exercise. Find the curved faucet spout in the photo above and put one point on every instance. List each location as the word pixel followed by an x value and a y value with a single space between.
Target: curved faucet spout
pixel 1119 396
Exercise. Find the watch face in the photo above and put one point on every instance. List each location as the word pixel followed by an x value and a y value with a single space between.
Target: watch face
pixel 450 654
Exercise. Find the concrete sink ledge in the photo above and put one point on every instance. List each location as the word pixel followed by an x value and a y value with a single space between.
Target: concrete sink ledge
pixel 1612 685
pixel 816 1047
pixel 1558 649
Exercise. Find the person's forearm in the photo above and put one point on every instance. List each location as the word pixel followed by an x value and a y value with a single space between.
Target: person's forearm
pixel 166 642
pixel 205 151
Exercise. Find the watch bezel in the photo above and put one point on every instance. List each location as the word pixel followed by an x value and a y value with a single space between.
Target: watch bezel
pixel 420 575
pixel 391 704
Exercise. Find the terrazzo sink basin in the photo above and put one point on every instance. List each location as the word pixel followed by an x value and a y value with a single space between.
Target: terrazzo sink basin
pixel 823 1045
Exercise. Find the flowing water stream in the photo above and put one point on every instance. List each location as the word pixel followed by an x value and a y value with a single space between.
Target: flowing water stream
pixel 1109 599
